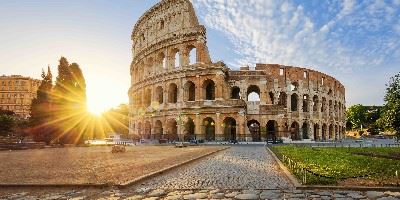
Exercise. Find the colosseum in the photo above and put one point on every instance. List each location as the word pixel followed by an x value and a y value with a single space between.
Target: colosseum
pixel 178 92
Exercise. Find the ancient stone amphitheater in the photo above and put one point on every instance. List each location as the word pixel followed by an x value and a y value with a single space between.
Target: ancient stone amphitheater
pixel 177 92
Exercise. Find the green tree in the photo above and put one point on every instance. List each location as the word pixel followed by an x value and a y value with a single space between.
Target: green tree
pixel 7 123
pixel 390 118
pixel 356 115
pixel 41 111
pixel 69 102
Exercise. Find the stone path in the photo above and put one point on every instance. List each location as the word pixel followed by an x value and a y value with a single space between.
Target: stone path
pixel 240 167
pixel 242 172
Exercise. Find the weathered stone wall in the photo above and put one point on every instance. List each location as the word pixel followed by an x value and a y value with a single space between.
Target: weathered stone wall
pixel 177 91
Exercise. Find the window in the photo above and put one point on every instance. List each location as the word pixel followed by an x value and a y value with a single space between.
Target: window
pixel 281 71
pixel 305 74
pixel 322 80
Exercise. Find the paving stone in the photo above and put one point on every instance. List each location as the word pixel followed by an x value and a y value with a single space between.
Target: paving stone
pixel 251 191
pixel 395 194
pixel 156 193
pixel 374 194
pixel 231 194
pixel 270 194
pixel 217 195
pixel 355 195
pixel 196 196
pixel 152 198
pixel 174 197
pixel 247 196
pixel 387 198
pixel 135 197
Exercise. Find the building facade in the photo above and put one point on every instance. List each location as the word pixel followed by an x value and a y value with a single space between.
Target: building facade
pixel 17 93
pixel 178 92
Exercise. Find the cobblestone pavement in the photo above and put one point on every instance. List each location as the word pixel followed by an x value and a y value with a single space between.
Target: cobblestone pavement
pixel 241 172
pixel 240 167
pixel 155 194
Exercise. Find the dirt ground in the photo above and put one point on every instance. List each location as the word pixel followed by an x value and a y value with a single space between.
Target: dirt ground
pixel 82 165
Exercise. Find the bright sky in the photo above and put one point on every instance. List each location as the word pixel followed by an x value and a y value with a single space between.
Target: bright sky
pixel 358 42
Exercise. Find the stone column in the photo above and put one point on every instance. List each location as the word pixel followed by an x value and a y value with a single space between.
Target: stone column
pixel 198 128
pixel 219 134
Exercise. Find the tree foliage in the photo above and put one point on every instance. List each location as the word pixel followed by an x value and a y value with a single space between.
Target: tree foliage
pixel 390 118
pixel 356 115
pixel 7 124
pixel 117 118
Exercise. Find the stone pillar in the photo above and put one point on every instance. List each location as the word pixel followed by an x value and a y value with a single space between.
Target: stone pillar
pixel 289 102
pixel 198 128
pixel 219 80
pixel 199 89
pixel 219 133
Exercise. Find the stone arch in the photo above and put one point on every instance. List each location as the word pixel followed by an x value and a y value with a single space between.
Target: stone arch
pixel 294 86
pixel 272 129
pixel 159 95
pixel 172 93
pixel 324 127
pixel 330 135
pixel 305 131
pixel 172 130
pixel 282 99
pixel 209 128
pixel 192 54
pixel 158 130
pixel 315 103
pixel 177 59
pixel 253 93
pixel 294 98
pixel 147 130
pixel 271 97
pixel 189 129
pixel 255 130
pixel 305 102
pixel 190 91
pixel 229 125
pixel 316 131
pixel 235 92
pixel 294 131
pixel 162 61
pixel 209 89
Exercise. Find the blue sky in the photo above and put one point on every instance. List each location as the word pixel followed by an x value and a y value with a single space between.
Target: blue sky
pixel 358 42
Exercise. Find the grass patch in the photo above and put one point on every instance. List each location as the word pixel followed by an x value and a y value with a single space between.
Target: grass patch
pixel 334 165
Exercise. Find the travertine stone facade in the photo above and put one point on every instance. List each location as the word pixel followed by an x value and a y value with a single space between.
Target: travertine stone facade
pixel 178 91
pixel 16 94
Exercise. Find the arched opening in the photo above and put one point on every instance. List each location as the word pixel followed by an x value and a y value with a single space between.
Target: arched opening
pixel 177 60
pixel 162 61
pixel 330 107
pixel 172 130
pixel 305 103
pixel 304 129
pixel 189 130
pixel 161 24
pixel 229 125
pixel 282 99
pixel 147 97
pixel 150 66
pixel 190 91
pixel 294 86
pixel 172 93
pixel 255 130
pixel 209 128
pixel 271 97
pixel 272 129
pixel 253 93
pixel 293 99
pixel 336 132
pixel 192 55
pixel 324 132
pixel 315 103
pixel 147 130
pixel 209 89
pixel 159 95
pixel 235 93
pixel 316 132
pixel 294 131
pixel 330 135
pixel 158 130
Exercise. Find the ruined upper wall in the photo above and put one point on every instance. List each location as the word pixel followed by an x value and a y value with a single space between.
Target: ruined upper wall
pixel 168 20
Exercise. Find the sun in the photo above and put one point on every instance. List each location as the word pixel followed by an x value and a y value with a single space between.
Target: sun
pixel 96 108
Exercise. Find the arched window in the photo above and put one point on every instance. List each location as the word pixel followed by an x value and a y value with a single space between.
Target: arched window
pixel 192 56
pixel 282 99
pixel 294 86
pixel 147 97
pixel 271 97
pixel 172 93
pixel 209 89
pixel 162 61
pixel 305 103
pixel 315 103
pixel 294 99
pixel 159 95
pixel 190 91
pixel 235 93
pixel 177 59
pixel 253 93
